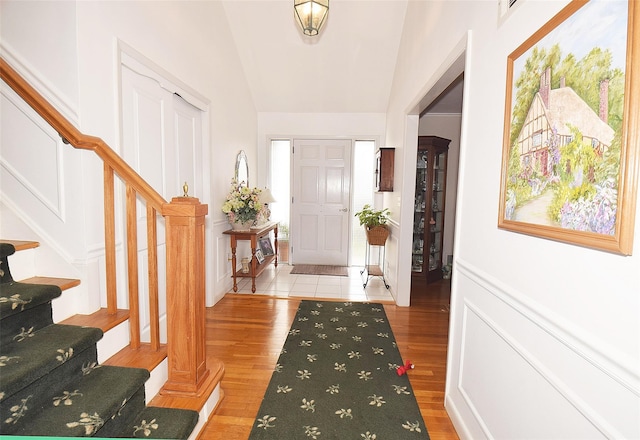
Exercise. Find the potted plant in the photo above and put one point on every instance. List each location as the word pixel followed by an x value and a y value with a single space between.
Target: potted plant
pixel 375 224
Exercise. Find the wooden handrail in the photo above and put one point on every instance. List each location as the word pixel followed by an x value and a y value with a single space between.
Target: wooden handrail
pixel 75 138
pixel 185 231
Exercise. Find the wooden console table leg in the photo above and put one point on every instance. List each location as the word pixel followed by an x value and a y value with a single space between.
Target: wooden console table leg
pixel 254 263
pixel 233 262
pixel 275 252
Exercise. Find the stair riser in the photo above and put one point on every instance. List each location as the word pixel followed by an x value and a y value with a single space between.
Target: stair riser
pixel 124 417
pixel 38 317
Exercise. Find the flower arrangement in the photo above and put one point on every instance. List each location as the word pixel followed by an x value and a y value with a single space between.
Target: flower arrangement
pixel 242 204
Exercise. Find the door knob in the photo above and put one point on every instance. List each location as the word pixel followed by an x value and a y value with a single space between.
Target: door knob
pixel 344 209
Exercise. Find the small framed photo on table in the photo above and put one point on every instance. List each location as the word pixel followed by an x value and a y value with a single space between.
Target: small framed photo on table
pixel 259 256
pixel 265 246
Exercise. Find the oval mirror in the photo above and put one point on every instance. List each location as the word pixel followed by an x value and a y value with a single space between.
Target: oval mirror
pixel 242 169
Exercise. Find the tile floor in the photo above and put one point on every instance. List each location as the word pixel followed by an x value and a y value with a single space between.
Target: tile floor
pixel 278 281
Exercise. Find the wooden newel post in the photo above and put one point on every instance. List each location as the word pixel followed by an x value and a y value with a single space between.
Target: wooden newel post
pixel 186 349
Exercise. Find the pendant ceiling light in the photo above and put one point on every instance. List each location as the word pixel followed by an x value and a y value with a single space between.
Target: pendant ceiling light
pixel 311 15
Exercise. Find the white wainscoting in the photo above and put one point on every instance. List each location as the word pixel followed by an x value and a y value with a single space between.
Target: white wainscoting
pixel 518 371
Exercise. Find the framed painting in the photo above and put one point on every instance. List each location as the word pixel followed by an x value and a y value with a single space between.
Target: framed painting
pixel 570 160
pixel 265 246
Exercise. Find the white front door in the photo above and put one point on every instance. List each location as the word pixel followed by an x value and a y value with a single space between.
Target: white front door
pixel 162 141
pixel 320 208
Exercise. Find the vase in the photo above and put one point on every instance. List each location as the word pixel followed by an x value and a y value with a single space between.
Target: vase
pixel 242 226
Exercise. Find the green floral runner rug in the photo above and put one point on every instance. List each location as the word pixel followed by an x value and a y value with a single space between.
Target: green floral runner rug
pixel 336 378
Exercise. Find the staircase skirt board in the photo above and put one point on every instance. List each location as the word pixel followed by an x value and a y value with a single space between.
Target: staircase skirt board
pixel 51 383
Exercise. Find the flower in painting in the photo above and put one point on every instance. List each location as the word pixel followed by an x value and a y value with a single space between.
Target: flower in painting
pixel 242 203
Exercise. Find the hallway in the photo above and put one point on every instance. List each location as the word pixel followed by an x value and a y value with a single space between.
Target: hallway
pixel 247 332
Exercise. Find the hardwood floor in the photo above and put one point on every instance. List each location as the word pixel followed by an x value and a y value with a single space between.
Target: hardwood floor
pixel 247 333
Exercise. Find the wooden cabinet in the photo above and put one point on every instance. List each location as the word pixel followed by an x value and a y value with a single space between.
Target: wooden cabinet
pixel 428 221
pixel 384 169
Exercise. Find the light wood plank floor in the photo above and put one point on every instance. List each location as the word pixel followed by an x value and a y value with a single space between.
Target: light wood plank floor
pixel 247 333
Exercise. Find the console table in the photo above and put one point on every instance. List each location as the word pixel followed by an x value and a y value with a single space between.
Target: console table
pixel 253 235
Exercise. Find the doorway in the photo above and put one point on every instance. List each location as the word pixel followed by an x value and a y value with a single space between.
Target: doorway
pixel 362 192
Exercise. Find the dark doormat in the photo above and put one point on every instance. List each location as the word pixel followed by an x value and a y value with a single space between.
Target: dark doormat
pixel 314 269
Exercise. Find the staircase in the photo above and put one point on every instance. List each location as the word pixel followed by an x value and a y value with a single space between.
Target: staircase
pixel 51 383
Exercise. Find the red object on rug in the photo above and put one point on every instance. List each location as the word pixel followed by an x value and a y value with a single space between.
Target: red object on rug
pixel 403 369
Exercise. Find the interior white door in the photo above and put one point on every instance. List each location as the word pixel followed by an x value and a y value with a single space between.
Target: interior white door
pixel 320 207
pixel 162 141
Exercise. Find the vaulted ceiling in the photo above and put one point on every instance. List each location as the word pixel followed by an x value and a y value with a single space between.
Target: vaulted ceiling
pixel 349 67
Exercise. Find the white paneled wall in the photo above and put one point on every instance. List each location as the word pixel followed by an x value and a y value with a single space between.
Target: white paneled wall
pixel 518 368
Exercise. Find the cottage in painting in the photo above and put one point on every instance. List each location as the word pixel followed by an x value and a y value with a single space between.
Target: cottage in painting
pixel 551 117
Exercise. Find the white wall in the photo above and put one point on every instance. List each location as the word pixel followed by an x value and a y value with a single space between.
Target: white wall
pixel 75 48
pixel 545 337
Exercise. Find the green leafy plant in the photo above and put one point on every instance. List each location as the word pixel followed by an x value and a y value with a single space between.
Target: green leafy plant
pixel 370 217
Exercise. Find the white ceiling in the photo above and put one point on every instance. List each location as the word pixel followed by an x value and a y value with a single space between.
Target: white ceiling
pixel 349 67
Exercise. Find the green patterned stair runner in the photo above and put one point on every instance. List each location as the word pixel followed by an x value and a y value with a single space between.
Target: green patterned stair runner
pixel 51 383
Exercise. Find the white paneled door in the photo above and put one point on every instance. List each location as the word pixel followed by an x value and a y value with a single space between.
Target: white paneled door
pixel 162 141
pixel 320 207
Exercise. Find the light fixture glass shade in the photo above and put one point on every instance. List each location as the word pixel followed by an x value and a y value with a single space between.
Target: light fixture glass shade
pixel 311 15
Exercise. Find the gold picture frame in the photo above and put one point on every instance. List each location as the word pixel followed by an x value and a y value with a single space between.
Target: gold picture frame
pixel 570 161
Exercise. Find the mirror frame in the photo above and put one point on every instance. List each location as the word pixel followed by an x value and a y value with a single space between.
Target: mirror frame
pixel 242 165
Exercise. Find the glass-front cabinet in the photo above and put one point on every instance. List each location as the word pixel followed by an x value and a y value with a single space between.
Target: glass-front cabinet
pixel 428 221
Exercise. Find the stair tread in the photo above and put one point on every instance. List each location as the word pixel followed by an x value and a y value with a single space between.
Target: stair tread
pixel 143 357
pixel 16 297
pixel 100 319
pixel 62 283
pixel 34 355
pixel 87 403
pixel 157 422
pixel 21 245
